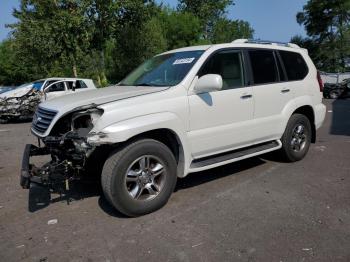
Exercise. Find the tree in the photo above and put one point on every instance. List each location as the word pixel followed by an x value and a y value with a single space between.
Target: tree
pixel 180 28
pixel 208 11
pixel 226 30
pixel 327 23
pixel 106 39
pixel 12 70
pixel 48 31
pixel 102 17
pixel 138 36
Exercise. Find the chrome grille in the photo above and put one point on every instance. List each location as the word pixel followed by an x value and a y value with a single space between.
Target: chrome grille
pixel 42 119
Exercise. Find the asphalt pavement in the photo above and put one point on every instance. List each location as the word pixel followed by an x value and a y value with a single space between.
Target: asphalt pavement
pixel 256 210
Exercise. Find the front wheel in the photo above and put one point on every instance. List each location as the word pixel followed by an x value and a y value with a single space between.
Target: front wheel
pixel 139 178
pixel 296 139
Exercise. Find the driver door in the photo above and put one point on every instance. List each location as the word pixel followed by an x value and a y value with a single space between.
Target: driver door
pixel 222 120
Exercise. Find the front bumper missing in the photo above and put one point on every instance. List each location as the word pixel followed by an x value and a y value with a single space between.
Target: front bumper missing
pixel 29 173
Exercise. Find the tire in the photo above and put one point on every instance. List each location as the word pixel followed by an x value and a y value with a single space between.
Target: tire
pixel 140 177
pixel 296 142
pixel 334 94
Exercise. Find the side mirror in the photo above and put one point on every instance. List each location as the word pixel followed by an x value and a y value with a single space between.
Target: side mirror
pixel 208 83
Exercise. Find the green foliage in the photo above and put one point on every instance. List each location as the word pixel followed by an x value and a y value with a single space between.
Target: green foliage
pixel 180 29
pixel 206 10
pixel 327 23
pixel 106 39
pixel 225 30
pixel 12 71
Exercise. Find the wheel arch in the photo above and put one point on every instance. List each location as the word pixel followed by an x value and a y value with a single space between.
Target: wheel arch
pixel 164 127
pixel 171 140
pixel 308 111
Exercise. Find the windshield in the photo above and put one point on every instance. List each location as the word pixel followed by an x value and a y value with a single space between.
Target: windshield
pixel 38 84
pixel 163 70
pixel 24 85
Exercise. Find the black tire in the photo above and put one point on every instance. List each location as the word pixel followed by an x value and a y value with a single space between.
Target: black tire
pixel 288 150
pixel 115 172
pixel 334 94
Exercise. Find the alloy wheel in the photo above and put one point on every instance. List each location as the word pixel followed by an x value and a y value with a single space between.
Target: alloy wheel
pixel 145 178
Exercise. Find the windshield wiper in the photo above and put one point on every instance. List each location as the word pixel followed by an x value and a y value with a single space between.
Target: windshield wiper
pixel 143 84
pixel 148 84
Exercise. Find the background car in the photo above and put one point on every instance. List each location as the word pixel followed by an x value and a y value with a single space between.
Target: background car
pixel 335 91
pixel 21 102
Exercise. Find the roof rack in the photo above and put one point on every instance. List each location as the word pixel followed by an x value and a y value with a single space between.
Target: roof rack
pixel 264 42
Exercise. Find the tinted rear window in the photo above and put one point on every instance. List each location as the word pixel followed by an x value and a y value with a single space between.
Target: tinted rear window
pixel 263 66
pixel 294 64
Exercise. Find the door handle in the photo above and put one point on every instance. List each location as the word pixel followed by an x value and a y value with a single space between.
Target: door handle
pixel 246 96
pixel 285 91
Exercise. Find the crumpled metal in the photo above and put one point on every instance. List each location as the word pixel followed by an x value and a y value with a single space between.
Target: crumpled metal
pixel 20 107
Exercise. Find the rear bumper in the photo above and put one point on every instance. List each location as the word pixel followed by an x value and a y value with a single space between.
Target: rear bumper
pixel 320 115
pixel 28 173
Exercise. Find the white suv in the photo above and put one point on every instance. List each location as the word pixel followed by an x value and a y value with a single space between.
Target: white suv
pixel 182 111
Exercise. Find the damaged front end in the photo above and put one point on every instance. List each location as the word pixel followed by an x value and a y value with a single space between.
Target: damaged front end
pixel 67 145
pixel 22 107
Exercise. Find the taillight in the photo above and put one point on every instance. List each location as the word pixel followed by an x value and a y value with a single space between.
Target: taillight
pixel 320 82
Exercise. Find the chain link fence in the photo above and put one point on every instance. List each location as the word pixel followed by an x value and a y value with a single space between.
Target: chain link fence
pixel 334 78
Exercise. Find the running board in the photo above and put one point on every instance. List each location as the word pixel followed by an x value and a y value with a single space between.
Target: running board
pixel 234 155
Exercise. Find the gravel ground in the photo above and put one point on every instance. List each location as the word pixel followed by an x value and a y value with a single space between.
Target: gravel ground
pixel 255 210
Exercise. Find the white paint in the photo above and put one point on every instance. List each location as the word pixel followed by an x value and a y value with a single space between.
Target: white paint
pixel 307 249
pixel 320 148
pixel 197 245
pixel 52 222
pixel 184 61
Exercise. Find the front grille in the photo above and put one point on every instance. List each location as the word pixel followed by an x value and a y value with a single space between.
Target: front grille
pixel 42 119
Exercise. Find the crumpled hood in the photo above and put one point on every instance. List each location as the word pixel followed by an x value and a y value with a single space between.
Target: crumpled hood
pixel 18 92
pixel 100 96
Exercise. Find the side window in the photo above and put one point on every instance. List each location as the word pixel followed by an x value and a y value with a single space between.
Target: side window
pixel 78 84
pixel 263 66
pixel 81 84
pixel 294 64
pixel 229 65
pixel 56 87
pixel 50 82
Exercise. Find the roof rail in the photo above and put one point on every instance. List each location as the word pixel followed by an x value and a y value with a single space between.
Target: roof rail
pixel 264 42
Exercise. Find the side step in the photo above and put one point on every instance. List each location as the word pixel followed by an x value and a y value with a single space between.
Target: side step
pixel 235 155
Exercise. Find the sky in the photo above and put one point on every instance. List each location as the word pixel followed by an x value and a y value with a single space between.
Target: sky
pixel 271 19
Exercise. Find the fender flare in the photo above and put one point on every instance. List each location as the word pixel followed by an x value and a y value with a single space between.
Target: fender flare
pixel 126 129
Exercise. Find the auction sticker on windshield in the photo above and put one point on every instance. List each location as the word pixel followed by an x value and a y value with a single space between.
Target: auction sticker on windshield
pixel 184 61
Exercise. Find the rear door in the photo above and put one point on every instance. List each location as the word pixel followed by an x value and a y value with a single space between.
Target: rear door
pixel 80 86
pixel 271 93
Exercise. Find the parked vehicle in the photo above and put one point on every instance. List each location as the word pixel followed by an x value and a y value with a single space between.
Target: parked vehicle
pixel 182 111
pixel 339 90
pixel 4 89
pixel 21 102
